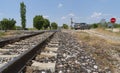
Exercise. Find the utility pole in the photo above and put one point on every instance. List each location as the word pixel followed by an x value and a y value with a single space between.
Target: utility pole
pixel 71 23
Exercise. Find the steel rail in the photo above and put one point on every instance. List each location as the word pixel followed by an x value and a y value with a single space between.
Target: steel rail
pixel 19 63
pixel 15 39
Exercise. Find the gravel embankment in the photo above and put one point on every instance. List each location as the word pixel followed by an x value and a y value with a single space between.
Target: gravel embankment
pixel 72 58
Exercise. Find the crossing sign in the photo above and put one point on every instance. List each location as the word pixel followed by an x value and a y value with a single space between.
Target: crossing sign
pixel 113 20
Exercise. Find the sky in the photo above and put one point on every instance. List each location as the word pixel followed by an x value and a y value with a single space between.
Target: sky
pixel 60 11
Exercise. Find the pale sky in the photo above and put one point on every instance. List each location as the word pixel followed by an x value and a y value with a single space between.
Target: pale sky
pixel 60 11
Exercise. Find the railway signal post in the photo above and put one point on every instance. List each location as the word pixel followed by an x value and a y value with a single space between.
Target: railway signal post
pixel 113 20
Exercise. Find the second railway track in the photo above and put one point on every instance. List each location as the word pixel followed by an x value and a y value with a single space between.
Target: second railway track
pixel 15 38
pixel 12 55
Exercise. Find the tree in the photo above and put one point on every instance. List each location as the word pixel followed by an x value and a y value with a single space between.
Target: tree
pixel 4 24
pixel 54 25
pixel 38 22
pixel 115 25
pixel 7 24
pixel 65 26
pixel 23 14
pixel 95 25
pixel 12 23
pixel 46 23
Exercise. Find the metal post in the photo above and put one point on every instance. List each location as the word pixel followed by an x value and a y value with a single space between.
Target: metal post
pixel 71 23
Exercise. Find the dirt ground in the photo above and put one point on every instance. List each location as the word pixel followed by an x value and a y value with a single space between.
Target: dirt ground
pixel 105 51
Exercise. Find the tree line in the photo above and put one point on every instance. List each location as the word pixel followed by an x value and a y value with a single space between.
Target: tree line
pixel 105 25
pixel 39 22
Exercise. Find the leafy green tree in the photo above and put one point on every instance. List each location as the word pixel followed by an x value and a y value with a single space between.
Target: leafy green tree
pixel 7 24
pixel 4 24
pixel 54 25
pixel 115 25
pixel 38 22
pixel 65 26
pixel 23 14
pixel 46 23
pixel 95 25
pixel 12 23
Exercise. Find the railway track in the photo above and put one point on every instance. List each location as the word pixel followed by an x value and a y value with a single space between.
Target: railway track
pixel 45 60
pixel 23 35
pixel 14 56
pixel 65 56
pixel 51 52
